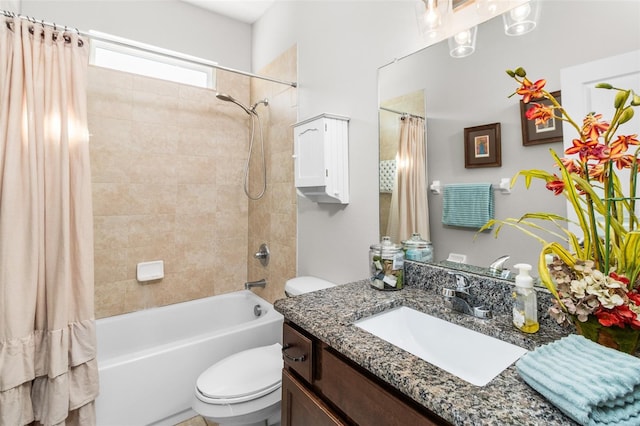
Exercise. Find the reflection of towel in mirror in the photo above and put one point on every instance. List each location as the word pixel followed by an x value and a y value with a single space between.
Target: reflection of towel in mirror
pixel 590 383
pixel 387 175
pixel 469 205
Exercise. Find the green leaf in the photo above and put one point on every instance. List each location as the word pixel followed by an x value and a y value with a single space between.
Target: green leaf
pixel 630 262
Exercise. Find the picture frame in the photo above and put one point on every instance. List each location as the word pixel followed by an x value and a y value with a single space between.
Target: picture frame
pixel 482 146
pixel 533 134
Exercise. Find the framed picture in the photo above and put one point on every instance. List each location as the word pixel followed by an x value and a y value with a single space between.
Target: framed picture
pixel 482 146
pixel 458 4
pixel 536 134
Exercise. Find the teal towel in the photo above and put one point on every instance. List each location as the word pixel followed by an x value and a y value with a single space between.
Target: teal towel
pixel 469 205
pixel 592 384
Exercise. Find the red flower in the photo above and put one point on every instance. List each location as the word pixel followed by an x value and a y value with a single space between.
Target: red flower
pixel 634 297
pixel 618 316
pixel 620 278
pixel 530 90
pixel 557 186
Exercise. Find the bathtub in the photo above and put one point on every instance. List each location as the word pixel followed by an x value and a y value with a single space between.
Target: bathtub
pixel 149 360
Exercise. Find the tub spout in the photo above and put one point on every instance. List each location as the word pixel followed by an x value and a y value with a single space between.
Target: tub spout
pixel 260 283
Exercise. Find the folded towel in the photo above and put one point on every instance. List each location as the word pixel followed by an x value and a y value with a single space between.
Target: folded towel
pixel 469 205
pixel 592 384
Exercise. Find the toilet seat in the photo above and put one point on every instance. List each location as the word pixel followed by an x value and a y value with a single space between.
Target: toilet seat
pixel 242 377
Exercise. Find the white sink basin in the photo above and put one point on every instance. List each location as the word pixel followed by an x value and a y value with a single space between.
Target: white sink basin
pixel 467 354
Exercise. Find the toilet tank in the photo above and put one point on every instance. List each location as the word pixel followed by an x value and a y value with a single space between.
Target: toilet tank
pixel 305 284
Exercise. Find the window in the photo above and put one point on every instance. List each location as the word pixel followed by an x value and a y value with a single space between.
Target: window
pixel 138 58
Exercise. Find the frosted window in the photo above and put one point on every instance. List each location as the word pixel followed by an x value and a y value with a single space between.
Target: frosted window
pixel 151 62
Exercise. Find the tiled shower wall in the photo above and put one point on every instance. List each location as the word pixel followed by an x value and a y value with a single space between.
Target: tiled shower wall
pixel 272 219
pixel 167 165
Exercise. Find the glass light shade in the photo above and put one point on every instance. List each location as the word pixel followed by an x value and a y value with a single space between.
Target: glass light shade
pixel 463 43
pixel 521 19
pixel 432 16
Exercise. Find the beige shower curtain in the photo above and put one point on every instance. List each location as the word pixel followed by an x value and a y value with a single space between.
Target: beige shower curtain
pixel 48 369
pixel 408 212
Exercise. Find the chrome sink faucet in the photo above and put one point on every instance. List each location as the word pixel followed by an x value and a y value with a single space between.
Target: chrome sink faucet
pixel 459 299
pixel 497 267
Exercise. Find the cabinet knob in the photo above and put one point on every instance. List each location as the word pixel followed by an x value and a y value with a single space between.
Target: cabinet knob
pixel 292 358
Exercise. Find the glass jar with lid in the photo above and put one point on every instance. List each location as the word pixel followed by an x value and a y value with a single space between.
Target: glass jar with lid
pixel 418 249
pixel 386 261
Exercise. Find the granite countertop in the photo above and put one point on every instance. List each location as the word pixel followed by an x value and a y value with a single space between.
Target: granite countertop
pixel 506 400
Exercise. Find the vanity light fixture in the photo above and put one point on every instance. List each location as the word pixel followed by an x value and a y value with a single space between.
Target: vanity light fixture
pixel 521 19
pixel 463 43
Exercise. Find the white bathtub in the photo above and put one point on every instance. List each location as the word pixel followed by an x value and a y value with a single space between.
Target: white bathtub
pixel 149 360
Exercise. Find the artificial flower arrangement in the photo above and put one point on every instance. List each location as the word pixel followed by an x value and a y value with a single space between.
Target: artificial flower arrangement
pixel 593 277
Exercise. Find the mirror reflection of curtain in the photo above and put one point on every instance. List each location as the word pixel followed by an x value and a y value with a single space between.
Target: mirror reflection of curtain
pixel 409 210
pixel 48 367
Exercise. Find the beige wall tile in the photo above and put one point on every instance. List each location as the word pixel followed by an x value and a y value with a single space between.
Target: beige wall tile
pixel 167 168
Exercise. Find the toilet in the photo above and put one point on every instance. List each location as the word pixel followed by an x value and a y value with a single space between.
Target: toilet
pixel 244 389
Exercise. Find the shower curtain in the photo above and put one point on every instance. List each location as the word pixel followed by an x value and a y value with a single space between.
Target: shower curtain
pixel 48 368
pixel 409 212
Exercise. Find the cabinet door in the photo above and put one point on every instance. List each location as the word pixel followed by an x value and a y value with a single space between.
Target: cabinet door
pixel 309 154
pixel 300 407
pixel 365 401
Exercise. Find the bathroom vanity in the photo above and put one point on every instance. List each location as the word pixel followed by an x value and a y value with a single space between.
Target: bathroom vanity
pixel 336 373
pixel 321 386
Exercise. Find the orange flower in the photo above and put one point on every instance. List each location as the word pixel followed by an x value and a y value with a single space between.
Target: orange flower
pixel 622 143
pixel 592 127
pixel 597 172
pixel 571 165
pixel 623 161
pixel 539 112
pixel 530 90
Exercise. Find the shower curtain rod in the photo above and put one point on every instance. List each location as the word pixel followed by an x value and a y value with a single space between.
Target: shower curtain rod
pixel 149 49
pixel 401 113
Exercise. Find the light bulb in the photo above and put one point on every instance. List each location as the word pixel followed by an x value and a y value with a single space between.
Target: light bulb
pixel 432 16
pixel 521 12
pixel 462 37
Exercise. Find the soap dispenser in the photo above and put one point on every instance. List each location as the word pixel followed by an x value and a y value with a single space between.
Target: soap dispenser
pixel 525 309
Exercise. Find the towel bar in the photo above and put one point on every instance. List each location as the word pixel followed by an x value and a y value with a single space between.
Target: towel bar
pixel 503 186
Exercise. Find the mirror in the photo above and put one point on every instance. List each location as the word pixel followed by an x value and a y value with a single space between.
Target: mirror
pixel 473 91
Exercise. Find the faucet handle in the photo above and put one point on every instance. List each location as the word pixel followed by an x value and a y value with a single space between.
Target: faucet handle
pixel 462 281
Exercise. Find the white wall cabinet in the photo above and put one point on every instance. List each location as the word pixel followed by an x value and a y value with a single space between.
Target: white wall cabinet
pixel 321 158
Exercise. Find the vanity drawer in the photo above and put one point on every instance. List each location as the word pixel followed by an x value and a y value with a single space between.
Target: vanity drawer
pixel 297 352
pixel 365 400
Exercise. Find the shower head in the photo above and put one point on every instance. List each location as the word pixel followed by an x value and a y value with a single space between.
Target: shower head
pixel 229 98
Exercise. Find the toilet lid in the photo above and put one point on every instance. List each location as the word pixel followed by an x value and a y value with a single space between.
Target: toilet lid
pixel 243 376
pixel 305 284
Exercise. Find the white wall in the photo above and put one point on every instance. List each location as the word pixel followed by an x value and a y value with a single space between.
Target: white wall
pixel 341 46
pixel 170 24
pixel 10 5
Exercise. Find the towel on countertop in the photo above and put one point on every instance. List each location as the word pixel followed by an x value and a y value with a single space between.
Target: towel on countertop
pixel 469 205
pixel 592 384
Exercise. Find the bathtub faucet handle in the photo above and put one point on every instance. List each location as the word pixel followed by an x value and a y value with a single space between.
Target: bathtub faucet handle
pixel 260 283
pixel 263 254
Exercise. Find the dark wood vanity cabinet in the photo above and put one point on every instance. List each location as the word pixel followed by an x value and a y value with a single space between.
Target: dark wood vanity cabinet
pixel 321 387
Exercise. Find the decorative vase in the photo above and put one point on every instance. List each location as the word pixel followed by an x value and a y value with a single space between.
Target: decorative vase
pixel 623 339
